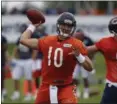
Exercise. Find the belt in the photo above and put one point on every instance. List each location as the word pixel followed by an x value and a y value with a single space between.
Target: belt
pixel 61 83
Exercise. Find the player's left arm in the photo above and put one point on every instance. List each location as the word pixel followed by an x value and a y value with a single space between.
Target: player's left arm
pixel 82 58
pixel 81 54
pixel 87 64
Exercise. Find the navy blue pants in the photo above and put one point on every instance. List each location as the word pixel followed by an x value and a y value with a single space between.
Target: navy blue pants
pixel 109 95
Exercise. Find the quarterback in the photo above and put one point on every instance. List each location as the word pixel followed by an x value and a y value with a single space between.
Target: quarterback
pixel 61 53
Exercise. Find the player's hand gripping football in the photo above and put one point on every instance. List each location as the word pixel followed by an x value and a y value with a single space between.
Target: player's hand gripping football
pixel 75 51
pixel 37 24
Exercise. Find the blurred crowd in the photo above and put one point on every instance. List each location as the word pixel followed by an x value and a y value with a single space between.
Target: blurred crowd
pixel 79 7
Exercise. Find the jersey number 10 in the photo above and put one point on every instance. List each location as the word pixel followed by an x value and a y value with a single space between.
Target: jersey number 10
pixel 57 50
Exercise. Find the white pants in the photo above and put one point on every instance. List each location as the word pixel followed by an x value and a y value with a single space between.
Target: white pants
pixel 22 68
pixel 36 64
pixel 79 69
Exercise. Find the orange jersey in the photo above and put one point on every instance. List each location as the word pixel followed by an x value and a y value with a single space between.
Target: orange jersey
pixel 108 46
pixel 57 65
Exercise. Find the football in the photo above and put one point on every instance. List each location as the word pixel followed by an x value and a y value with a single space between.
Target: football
pixel 35 16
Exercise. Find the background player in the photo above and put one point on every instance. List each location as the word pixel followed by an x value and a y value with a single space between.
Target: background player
pixel 22 66
pixel 58 52
pixel 108 47
pixel 79 69
pixel 4 59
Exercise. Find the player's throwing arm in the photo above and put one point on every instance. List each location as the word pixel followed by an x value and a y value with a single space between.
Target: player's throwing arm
pixel 37 18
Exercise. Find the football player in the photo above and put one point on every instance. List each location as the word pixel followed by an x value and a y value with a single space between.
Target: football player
pixel 108 47
pixel 61 53
pixel 4 58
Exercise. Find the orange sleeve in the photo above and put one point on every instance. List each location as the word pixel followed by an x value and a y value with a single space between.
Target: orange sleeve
pixel 100 44
pixel 82 48
pixel 41 44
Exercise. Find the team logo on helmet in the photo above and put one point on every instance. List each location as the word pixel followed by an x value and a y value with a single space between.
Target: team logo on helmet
pixel 67 21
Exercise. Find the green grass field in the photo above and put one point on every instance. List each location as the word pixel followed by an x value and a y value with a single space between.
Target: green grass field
pixel 100 73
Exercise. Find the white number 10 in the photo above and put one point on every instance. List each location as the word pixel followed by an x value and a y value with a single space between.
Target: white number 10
pixel 57 50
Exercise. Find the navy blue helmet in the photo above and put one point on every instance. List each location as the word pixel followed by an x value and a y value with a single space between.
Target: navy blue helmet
pixel 113 25
pixel 68 19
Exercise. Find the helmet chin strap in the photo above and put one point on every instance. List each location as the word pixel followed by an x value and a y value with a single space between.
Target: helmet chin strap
pixel 64 34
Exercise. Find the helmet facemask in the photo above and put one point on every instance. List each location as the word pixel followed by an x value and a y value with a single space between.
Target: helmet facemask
pixel 65 30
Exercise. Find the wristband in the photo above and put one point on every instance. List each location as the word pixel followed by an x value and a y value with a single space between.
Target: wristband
pixel 31 28
pixel 80 58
